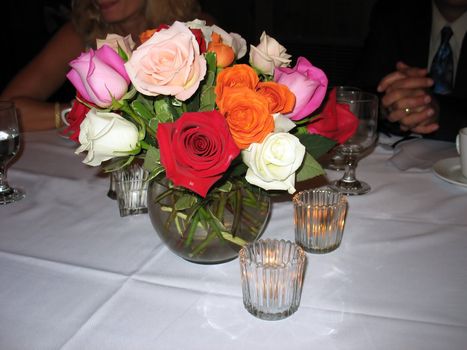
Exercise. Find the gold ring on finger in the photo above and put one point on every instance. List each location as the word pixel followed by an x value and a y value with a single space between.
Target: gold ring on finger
pixel 407 110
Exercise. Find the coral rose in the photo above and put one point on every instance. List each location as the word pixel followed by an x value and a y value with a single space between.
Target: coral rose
pixel 247 114
pixel 239 75
pixel 280 98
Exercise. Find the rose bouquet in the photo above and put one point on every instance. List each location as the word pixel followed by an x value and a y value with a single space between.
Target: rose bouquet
pixel 206 126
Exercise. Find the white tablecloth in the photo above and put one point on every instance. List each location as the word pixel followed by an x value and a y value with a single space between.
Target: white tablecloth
pixel 74 275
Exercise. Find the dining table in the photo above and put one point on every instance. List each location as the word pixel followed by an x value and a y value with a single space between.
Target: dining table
pixel 76 275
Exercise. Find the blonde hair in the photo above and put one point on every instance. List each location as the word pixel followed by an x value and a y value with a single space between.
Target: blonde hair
pixel 87 20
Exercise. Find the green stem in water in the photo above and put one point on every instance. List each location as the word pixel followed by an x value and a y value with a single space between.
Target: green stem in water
pixel 237 210
pixel 192 230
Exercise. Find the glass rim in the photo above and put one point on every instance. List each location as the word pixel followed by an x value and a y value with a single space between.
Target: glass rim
pixel 341 200
pixel 299 252
pixel 361 96
pixel 6 104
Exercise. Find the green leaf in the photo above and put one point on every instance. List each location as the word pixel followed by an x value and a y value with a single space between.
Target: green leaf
pixel 310 168
pixel 153 123
pixel 122 54
pixel 186 201
pixel 208 96
pixel 165 112
pixel 207 99
pixel 192 105
pixel 155 172
pixel 115 164
pixel 152 159
pixel 129 94
pixel 226 187
pixel 141 110
pixel 316 145
pixel 211 62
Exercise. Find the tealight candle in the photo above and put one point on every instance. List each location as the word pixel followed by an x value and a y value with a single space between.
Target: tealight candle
pixel 319 216
pixel 272 278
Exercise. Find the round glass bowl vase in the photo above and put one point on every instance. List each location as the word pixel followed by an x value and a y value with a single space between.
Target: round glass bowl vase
pixel 210 230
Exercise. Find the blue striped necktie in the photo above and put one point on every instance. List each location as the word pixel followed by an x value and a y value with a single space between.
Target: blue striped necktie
pixel 442 67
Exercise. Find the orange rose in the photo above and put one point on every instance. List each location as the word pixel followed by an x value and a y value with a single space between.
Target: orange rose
pixel 224 53
pixel 239 75
pixel 280 98
pixel 247 115
pixel 144 36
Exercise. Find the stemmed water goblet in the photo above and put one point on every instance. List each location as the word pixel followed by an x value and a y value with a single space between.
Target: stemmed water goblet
pixel 365 107
pixel 9 146
pixel 336 161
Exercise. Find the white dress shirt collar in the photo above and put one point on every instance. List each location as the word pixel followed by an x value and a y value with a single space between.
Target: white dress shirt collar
pixel 459 28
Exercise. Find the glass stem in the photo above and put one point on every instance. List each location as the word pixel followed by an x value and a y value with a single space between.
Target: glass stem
pixel 350 166
pixel 4 187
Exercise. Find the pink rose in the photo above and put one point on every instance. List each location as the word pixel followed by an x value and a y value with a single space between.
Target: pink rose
pixel 335 122
pixel 307 82
pixel 169 63
pixel 196 150
pixel 99 76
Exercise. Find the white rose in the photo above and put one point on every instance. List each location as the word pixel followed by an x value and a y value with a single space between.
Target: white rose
pixel 282 124
pixel 114 41
pixel 272 164
pixel 106 135
pixel 268 55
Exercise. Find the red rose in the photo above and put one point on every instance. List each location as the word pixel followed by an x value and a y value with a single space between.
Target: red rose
pixel 200 39
pixel 336 121
pixel 75 117
pixel 196 150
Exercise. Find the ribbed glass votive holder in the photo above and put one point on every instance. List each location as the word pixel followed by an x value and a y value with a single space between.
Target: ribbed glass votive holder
pixel 272 278
pixel 131 186
pixel 319 216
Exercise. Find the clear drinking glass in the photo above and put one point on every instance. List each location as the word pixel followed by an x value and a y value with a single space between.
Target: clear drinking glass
pixel 319 216
pixel 365 107
pixel 272 278
pixel 9 146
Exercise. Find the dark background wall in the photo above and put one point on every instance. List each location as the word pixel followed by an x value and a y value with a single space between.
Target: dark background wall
pixel 25 27
pixel 329 33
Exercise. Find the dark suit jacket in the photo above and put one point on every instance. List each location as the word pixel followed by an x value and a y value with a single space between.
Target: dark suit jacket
pixel 400 31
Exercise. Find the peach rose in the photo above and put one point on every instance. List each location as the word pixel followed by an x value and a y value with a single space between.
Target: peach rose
pixel 247 114
pixel 239 75
pixel 169 63
pixel 280 98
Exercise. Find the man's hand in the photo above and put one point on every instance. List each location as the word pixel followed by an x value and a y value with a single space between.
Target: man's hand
pixel 407 99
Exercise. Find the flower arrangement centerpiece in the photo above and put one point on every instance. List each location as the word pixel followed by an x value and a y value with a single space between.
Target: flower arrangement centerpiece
pixel 214 134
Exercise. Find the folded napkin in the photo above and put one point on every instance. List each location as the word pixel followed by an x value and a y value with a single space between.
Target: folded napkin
pixel 420 153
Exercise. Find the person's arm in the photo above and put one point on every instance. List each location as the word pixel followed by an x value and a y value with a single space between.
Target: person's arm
pixel 36 82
